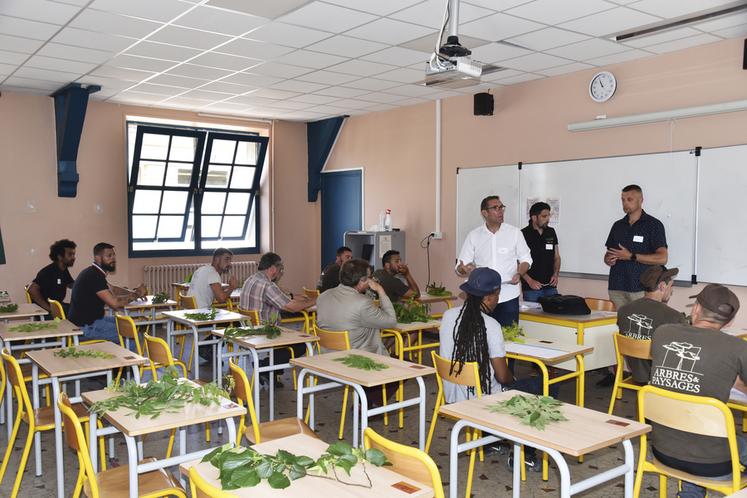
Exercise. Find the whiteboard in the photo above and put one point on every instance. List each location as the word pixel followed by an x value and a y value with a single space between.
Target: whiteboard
pixel 722 217
pixel 473 185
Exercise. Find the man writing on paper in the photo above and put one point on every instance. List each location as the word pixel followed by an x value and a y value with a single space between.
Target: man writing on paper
pixel 499 246
pixel 542 278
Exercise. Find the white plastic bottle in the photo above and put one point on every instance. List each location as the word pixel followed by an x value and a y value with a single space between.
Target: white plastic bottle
pixel 388 220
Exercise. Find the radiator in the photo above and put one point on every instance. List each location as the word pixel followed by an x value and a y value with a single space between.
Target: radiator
pixel 158 278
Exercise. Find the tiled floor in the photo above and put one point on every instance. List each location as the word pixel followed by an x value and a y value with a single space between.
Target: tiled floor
pixel 492 477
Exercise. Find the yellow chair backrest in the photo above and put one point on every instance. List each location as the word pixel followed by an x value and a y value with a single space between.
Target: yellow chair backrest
pixel 159 353
pixel 200 488
pixel 76 441
pixel 310 292
pixel 596 304
pixel 15 376
pixel 243 394
pixel 633 348
pixel 406 460
pixel 686 412
pixel 469 376
pixel 127 329
pixel 253 315
pixel 187 302
pixel 28 296
pixel 56 309
pixel 333 340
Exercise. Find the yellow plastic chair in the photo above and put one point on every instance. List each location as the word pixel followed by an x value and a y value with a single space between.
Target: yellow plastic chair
pixel 688 413
pixel 335 341
pixel 265 431
pixel 127 330
pixel 596 304
pixel 115 481
pixel 406 460
pixel 159 356
pixel 58 312
pixel 310 292
pixel 185 302
pixel 633 348
pixel 200 488
pixel 40 420
pixel 470 377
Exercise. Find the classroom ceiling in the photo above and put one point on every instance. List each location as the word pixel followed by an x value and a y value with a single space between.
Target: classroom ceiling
pixel 308 60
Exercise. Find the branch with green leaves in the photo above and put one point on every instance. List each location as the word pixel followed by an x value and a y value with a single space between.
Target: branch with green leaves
pixel 439 290
pixel 268 328
pixel 514 333
pixel 8 308
pixel 534 411
pixel 168 395
pixel 244 467
pixel 160 298
pixel 202 316
pixel 73 352
pixel 361 362
pixel 411 311
pixel 35 326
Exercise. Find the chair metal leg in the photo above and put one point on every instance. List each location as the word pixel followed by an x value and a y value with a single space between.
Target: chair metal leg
pixel 344 411
pixel 22 464
pixel 11 443
pixel 432 429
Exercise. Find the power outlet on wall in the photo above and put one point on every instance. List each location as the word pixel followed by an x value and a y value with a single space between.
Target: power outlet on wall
pixel 438 235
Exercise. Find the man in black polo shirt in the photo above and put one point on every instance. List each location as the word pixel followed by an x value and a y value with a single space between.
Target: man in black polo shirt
pixel 53 280
pixel 635 242
pixel 541 279
pixel 91 292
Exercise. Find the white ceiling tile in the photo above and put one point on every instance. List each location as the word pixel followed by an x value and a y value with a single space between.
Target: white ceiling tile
pixel 328 109
pixel 225 61
pixel 200 72
pixel 692 41
pixel 270 10
pixel 74 53
pixel 534 62
pixel 341 92
pixel 186 102
pixel 381 107
pixel 104 93
pixel 162 10
pixel 225 107
pixel 252 80
pixel 521 79
pixel 141 63
pixel 498 5
pixel 404 75
pixel 398 56
pixel 31 83
pixel 412 91
pixel 188 37
pixel 20 45
pixel 553 12
pixel 499 27
pixel 287 34
pixel 588 49
pixel 327 17
pixel 327 77
pixel 611 22
pixel 431 12
pixel 6 69
pixel 205 95
pixel 251 100
pixel 353 104
pixel 346 46
pixel 314 99
pixel 166 91
pixel 121 73
pixel 287 104
pixel 101 41
pixel 307 58
pixel 665 36
pixel 223 87
pixel 669 9
pixel 389 31
pixel 493 52
pixel 46 74
pixel 137 97
pixel 361 68
pixel 13 26
pixel 14 58
pixel 547 38
pixel 628 55
pixel 180 81
pixel 722 22
pixel 280 70
pixel 568 68
pixel 506 73
pixel 380 7
pixel 105 83
pixel 428 43
pixel 39 10
pixel 298 86
pixel 254 49
pixel 162 51
pixel 371 84
pixel 733 32
pixel 220 21
pixel 43 62
pixel 106 22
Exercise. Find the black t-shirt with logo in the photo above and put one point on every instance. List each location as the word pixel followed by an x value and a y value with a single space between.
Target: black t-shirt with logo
pixel 53 282
pixel 702 362
pixel 542 246
pixel 85 306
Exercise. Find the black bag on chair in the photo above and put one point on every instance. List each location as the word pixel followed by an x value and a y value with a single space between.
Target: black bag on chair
pixel 564 305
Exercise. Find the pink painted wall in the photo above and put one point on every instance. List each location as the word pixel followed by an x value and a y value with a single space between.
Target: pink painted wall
pixel 396 147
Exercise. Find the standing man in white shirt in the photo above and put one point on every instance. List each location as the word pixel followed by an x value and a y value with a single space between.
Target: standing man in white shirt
pixel 502 247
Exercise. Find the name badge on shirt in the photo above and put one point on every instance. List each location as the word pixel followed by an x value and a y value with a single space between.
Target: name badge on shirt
pixel 549 247
pixel 503 250
pixel 59 281
pixel 637 238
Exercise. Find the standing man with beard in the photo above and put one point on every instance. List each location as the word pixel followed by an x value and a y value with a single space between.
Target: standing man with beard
pixel 53 280
pixel 91 292
pixel 206 285
pixel 541 280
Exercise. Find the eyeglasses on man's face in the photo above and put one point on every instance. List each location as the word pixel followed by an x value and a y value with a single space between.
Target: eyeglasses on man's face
pixel 498 207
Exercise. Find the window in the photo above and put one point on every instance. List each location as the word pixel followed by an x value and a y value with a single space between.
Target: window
pixel 192 190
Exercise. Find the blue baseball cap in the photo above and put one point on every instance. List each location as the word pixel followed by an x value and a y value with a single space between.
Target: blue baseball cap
pixel 481 282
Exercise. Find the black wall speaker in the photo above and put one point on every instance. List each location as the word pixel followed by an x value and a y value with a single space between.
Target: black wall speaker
pixel 744 55
pixel 483 104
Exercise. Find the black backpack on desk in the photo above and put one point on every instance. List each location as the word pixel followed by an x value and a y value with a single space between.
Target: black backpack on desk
pixel 564 305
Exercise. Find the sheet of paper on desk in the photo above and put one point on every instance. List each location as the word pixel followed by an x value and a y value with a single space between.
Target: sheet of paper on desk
pixel 737 395
pixel 530 350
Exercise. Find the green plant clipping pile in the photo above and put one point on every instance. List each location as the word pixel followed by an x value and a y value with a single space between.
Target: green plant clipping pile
pixel 160 298
pixel 361 362
pixel 245 468
pixel 73 352
pixel 268 328
pixel 8 308
pixel 35 326
pixel 434 289
pixel 168 395
pixel 411 311
pixel 513 333
pixel 202 316
pixel 534 411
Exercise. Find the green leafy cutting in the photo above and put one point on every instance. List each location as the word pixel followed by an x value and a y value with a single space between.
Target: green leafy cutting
pixel 160 298
pixel 361 362
pixel 244 467
pixel 35 326
pixel 534 411
pixel 202 316
pixel 433 289
pixel 269 328
pixel 411 311
pixel 73 352
pixel 514 333
pixel 168 395
pixel 8 308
